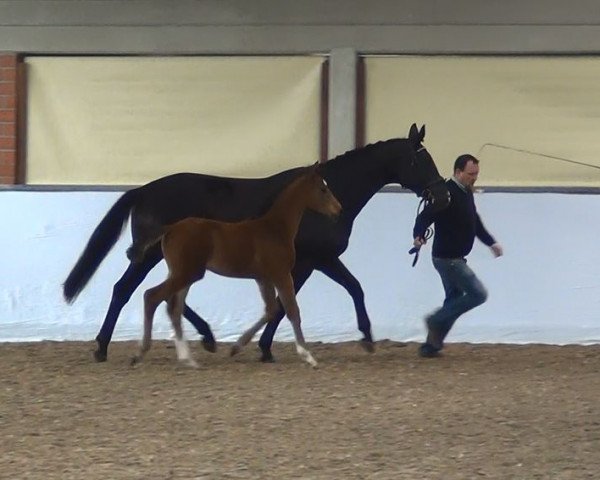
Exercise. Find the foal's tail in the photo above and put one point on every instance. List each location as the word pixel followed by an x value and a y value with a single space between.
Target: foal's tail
pixel 100 243
pixel 137 251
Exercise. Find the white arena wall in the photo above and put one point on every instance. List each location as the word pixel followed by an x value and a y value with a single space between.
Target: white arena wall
pixel 546 289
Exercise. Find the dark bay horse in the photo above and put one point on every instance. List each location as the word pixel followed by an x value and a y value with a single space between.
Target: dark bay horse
pixel 262 249
pixel 353 177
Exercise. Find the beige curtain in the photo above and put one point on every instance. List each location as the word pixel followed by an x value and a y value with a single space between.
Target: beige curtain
pixel 519 115
pixel 128 120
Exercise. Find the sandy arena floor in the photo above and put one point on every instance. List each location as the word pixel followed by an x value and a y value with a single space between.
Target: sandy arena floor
pixel 481 411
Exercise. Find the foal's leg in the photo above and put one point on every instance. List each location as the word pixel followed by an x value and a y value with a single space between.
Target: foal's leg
pixel 122 292
pixel 152 299
pixel 302 270
pixel 175 307
pixel 267 292
pixel 287 296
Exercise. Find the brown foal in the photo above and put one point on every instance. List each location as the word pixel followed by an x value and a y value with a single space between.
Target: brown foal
pixel 262 249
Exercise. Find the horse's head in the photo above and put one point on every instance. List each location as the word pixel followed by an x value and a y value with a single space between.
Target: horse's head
pixel 420 173
pixel 318 194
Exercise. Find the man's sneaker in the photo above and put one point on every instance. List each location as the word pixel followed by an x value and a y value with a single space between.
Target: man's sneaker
pixel 435 334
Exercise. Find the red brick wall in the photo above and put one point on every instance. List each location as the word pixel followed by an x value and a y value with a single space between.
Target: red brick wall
pixel 8 118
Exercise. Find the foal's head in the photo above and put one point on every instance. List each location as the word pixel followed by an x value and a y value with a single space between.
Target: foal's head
pixel 318 196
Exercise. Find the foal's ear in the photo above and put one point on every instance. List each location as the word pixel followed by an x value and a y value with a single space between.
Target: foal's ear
pixel 422 134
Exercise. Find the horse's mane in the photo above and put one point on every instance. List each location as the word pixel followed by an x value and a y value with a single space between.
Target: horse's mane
pixel 369 149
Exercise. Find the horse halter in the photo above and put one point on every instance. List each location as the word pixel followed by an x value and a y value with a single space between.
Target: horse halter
pixel 427 196
pixel 427 199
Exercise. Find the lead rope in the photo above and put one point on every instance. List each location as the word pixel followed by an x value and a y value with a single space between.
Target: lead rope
pixel 427 235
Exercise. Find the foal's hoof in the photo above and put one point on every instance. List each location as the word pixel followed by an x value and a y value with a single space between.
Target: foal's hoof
pixel 134 361
pixel 368 345
pixel 190 362
pixel 313 363
pixel 210 345
pixel 100 356
pixel 235 349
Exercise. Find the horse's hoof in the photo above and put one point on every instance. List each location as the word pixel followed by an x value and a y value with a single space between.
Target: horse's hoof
pixel 367 345
pixel 235 349
pixel 209 345
pixel 267 357
pixel 134 361
pixel 100 356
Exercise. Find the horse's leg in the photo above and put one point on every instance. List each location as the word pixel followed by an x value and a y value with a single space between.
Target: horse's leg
pixel 300 273
pixel 267 292
pixel 338 272
pixel 285 289
pixel 175 309
pixel 208 340
pixel 122 291
pixel 152 299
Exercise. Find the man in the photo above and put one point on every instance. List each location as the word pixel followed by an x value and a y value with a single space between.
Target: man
pixel 455 230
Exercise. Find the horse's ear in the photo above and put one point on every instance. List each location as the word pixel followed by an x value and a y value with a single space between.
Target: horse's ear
pixel 413 134
pixel 422 134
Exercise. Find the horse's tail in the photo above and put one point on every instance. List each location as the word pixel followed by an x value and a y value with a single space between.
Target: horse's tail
pixel 100 243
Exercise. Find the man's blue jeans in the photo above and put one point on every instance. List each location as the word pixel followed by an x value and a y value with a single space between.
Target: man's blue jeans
pixel 464 291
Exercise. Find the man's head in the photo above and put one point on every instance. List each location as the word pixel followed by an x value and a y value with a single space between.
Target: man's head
pixel 466 170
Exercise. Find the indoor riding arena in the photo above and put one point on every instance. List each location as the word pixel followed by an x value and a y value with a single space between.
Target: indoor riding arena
pixel 119 119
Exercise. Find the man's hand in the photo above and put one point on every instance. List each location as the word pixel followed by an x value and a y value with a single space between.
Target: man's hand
pixel 496 249
pixel 419 242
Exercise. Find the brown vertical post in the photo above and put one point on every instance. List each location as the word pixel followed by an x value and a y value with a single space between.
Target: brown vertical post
pixel 8 118
pixel 324 111
pixel 361 102
pixel 20 167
